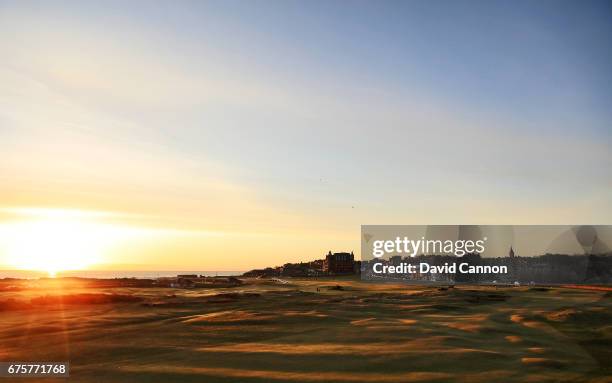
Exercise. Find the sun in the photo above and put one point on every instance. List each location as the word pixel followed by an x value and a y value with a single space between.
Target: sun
pixel 53 241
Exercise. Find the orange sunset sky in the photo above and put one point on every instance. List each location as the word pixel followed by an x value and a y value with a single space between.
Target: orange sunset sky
pixel 212 136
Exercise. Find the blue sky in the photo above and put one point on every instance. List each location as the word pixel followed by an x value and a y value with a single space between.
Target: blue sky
pixel 309 119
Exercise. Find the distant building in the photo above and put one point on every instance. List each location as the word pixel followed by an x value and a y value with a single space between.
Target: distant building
pixel 317 264
pixel 395 260
pixel 295 269
pixel 186 281
pixel 511 252
pixel 268 272
pixel 339 263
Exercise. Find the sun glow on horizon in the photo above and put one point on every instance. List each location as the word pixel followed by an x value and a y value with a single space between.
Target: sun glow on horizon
pixel 55 240
pixel 53 244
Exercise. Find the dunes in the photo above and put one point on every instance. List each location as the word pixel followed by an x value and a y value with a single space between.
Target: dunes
pixel 229 316
pixel 301 376
pixel 303 332
pixel 433 344
pixel 66 299
pixel 84 299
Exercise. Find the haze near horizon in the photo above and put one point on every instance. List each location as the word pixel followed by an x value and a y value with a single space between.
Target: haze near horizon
pixel 232 135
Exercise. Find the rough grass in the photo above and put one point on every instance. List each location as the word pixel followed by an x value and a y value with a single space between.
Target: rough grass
pixel 309 332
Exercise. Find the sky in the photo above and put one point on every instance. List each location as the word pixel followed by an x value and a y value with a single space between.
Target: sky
pixel 226 135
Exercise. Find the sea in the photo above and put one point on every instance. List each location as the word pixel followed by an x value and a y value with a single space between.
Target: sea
pixel 110 274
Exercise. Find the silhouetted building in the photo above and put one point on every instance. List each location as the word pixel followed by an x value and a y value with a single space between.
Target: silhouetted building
pixel 339 263
pixel 317 264
pixel 395 260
